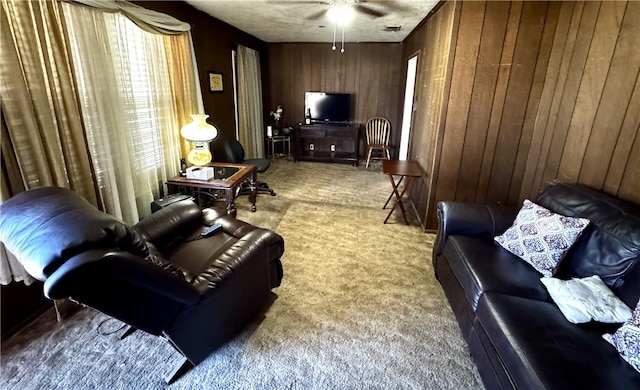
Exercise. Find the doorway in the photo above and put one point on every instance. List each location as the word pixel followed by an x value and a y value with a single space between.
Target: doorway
pixel 407 111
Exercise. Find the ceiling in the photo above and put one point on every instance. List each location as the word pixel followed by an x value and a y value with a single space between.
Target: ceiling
pixel 306 21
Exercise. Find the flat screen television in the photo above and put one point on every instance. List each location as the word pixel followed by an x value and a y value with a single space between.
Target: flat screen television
pixel 327 107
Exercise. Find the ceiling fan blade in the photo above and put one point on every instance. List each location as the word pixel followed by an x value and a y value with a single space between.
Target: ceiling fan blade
pixel 316 15
pixel 290 2
pixel 370 11
pixel 392 5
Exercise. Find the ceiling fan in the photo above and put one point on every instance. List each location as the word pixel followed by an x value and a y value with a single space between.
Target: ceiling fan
pixel 357 5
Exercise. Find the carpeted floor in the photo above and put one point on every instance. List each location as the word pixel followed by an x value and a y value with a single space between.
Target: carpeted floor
pixel 359 308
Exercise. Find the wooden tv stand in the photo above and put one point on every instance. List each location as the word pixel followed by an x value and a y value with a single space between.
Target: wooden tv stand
pixel 315 142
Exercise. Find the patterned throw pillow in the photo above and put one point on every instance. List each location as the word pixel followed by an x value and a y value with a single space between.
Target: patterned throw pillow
pixel 626 339
pixel 541 237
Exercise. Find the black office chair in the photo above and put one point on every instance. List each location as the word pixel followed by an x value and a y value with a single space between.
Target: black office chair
pixel 235 154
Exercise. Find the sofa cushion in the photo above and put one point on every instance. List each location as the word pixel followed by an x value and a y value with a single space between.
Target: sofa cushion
pixel 626 340
pixel 541 237
pixel 540 349
pixel 609 246
pixel 482 265
pixel 586 299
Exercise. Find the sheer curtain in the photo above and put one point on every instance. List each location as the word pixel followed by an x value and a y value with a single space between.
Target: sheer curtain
pixel 250 118
pixel 133 101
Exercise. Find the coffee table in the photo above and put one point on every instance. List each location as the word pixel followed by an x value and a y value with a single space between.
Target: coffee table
pixel 227 177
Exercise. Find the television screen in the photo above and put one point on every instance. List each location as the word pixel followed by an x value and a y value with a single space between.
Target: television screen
pixel 328 107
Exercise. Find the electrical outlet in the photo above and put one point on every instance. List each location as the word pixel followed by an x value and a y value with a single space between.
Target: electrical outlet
pixel 333 148
pixel 312 147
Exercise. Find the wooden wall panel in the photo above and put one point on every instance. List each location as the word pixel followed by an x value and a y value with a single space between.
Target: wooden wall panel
pixel 564 41
pixel 569 94
pixel 484 89
pixel 432 44
pixel 460 97
pixel 539 92
pixel 370 72
pixel 623 153
pixel 511 133
pixel 593 139
pixel 590 91
pixel 622 77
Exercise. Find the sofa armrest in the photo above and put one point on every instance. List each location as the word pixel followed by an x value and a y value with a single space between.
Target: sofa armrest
pixel 485 221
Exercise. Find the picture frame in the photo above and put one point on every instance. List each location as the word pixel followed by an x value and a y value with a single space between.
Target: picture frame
pixel 215 82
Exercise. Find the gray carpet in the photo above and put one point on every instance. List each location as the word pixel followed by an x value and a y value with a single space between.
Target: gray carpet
pixel 358 308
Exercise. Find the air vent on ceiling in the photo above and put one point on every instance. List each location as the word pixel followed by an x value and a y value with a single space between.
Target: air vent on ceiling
pixel 392 28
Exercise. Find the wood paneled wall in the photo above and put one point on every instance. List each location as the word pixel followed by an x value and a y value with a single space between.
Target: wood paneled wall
pixel 538 92
pixel 432 45
pixel 587 130
pixel 370 72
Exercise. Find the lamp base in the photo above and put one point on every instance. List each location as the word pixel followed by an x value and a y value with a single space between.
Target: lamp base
pixel 199 156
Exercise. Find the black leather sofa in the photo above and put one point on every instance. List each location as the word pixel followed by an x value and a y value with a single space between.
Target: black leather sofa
pixel 160 275
pixel 517 336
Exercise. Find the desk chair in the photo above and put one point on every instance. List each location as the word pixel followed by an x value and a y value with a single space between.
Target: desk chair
pixel 378 130
pixel 235 154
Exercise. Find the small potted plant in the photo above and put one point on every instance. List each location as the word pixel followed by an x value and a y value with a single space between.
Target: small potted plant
pixel 277 114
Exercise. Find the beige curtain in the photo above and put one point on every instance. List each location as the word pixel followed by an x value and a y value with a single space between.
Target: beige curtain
pixel 39 100
pixel 185 84
pixel 42 138
pixel 250 119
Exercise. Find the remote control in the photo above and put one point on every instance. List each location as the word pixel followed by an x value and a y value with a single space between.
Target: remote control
pixel 211 229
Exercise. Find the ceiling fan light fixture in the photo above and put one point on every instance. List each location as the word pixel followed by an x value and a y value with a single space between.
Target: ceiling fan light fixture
pixel 341 14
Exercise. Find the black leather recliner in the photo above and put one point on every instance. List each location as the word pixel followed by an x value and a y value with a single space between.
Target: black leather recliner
pixel 157 276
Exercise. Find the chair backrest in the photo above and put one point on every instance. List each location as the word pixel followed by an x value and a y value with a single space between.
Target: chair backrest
pixel 378 130
pixel 67 223
pixel 235 151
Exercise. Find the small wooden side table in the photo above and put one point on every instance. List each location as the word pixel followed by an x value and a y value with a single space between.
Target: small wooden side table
pixel 286 143
pixel 408 169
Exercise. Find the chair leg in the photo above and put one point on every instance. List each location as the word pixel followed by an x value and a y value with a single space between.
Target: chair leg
pixel 368 158
pixel 182 367
pixel 126 332
pixel 388 154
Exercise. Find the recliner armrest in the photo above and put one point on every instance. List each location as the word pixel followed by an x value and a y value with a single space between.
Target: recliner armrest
pixel 170 222
pixel 258 247
pixel 470 219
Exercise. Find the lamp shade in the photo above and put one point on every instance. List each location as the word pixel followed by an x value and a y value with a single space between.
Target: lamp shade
pixel 199 129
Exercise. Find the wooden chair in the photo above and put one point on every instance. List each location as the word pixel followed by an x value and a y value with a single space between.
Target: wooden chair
pixel 378 130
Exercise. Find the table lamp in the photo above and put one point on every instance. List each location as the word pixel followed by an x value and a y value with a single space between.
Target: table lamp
pixel 201 133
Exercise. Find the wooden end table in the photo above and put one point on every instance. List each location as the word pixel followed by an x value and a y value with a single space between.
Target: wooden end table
pixel 227 177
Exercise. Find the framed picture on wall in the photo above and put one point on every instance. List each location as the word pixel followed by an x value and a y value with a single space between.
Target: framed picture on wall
pixel 215 82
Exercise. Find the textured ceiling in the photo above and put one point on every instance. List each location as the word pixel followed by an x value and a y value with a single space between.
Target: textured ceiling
pixel 305 21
